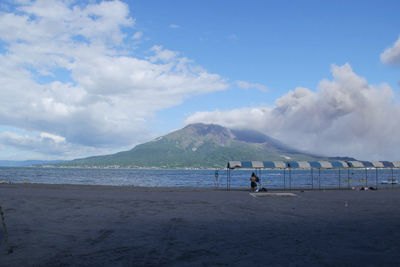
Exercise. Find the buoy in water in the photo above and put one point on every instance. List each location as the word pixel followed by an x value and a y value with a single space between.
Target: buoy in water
pixel 25 182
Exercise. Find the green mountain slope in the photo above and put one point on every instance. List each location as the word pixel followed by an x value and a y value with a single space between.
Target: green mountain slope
pixel 197 146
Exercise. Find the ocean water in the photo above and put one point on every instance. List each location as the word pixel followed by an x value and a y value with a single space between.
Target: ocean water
pixel 199 178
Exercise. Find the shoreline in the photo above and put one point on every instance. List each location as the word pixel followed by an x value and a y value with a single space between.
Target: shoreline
pixel 197 188
pixel 53 224
pixel 118 168
pixel 187 178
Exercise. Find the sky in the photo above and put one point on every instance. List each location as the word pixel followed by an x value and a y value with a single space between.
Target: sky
pixel 84 78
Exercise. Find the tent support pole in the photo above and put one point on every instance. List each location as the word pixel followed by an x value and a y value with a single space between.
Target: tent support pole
pixel 227 175
pixel 284 179
pixel 348 178
pixel 228 178
pixel 319 179
pixel 392 178
pixel 312 179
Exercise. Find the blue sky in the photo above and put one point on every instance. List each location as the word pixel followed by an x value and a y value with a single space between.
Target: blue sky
pixel 82 78
pixel 263 41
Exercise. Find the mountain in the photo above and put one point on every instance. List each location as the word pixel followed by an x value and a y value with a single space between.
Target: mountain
pixel 198 146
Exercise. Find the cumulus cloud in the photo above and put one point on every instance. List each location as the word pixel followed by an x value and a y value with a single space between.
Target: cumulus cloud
pixel 391 55
pixel 43 145
pixel 66 70
pixel 345 116
pixel 247 85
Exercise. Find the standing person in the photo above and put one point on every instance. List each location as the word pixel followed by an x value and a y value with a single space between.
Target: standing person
pixel 216 182
pixel 253 183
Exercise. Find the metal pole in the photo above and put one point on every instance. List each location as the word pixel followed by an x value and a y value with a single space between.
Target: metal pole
pixel 348 178
pixel 339 178
pixel 319 179
pixel 312 179
pixel 290 179
pixel 228 177
pixel 227 174
pixel 366 178
pixel 284 179
pixel 376 177
pixel 392 179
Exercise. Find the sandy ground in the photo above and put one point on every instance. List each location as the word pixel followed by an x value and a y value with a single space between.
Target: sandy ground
pixel 71 225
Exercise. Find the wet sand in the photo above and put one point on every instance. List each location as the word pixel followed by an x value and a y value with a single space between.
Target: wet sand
pixel 75 225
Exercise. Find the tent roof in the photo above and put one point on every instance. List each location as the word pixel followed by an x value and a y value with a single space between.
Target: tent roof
pixel 311 164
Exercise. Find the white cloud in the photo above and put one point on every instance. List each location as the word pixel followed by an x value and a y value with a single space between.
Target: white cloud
pixel 391 55
pixel 174 26
pixel 54 138
pixel 137 35
pixel 162 54
pixel 44 142
pixel 247 85
pixel 42 145
pixel 66 72
pixel 345 116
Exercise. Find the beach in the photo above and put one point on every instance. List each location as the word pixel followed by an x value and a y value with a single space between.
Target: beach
pixel 83 225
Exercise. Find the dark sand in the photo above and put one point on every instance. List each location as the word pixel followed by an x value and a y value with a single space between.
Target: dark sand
pixel 71 225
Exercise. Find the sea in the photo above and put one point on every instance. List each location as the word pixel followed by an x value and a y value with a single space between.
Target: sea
pixel 273 179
